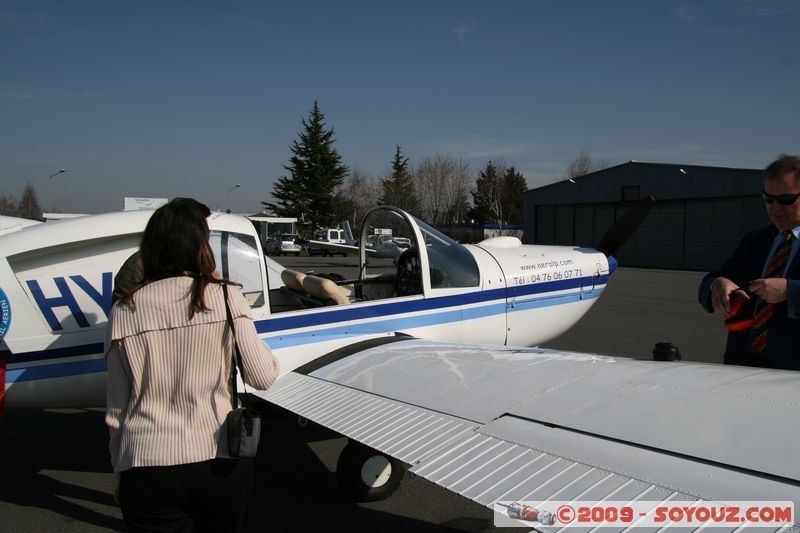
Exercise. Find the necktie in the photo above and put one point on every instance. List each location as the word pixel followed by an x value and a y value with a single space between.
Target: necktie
pixel 764 310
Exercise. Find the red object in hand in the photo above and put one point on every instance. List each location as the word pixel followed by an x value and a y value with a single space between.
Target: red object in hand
pixel 736 323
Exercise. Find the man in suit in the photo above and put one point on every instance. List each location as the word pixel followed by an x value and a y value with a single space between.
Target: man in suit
pixel 758 288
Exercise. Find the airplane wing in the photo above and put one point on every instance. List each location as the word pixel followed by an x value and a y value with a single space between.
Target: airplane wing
pixel 12 224
pixel 527 424
pixel 333 246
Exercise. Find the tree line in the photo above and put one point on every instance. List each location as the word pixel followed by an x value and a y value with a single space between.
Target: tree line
pixel 26 207
pixel 320 190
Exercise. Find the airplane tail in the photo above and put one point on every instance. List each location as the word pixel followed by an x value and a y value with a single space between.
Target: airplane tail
pixel 348 233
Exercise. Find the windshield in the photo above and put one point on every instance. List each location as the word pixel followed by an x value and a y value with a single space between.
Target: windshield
pixel 451 265
pixel 238 260
pixel 390 234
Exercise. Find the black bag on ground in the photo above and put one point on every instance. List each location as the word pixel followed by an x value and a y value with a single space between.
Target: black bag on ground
pixel 243 423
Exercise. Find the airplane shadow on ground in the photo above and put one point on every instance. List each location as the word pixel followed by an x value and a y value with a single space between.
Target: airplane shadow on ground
pixel 57 461
pixel 295 491
pixel 33 442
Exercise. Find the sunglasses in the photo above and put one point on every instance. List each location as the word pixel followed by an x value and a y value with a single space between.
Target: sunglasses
pixel 782 199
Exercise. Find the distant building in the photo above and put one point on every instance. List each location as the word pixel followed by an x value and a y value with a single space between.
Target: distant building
pixel 268 225
pixel 699 216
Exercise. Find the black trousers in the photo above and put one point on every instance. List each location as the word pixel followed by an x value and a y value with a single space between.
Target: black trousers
pixel 197 497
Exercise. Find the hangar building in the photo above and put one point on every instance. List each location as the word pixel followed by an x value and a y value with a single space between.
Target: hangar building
pixel 699 216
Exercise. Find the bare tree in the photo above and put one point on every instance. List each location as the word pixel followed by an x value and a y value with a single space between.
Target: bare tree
pixel 8 206
pixel 579 166
pixel 582 165
pixel 360 193
pixel 442 183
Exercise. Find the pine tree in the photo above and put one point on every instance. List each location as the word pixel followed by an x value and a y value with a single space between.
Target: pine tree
pixel 399 189
pixel 515 187
pixel 499 195
pixel 316 176
pixel 487 198
pixel 29 204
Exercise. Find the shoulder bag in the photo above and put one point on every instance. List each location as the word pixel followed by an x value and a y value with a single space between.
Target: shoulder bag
pixel 243 423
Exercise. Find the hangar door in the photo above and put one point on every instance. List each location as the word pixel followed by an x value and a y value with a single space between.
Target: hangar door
pixel 715 226
pixel 681 234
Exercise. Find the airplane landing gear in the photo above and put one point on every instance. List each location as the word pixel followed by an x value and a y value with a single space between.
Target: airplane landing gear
pixel 367 475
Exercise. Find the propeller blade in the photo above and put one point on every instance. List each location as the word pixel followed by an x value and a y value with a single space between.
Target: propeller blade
pixel 624 227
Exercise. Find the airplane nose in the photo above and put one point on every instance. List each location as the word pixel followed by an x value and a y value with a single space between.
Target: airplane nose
pixel 612 264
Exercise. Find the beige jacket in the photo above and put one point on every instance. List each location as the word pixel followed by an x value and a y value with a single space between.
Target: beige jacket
pixel 168 376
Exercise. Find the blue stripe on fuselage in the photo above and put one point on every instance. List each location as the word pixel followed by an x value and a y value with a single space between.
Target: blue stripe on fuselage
pixel 57 370
pixel 418 321
pixel 55 353
pixel 384 311
pixel 348 313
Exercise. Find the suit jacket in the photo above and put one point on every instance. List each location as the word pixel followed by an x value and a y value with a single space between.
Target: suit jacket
pixel 783 330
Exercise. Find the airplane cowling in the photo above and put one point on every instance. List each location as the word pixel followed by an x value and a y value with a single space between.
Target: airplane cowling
pixel 549 288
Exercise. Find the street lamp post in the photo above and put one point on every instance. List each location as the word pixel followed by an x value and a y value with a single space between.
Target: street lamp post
pixel 229 195
pixel 50 189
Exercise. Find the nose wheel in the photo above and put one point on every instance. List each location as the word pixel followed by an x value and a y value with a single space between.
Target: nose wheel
pixel 367 475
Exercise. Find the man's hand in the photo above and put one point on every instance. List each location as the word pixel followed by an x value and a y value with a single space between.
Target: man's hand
pixel 721 291
pixel 771 290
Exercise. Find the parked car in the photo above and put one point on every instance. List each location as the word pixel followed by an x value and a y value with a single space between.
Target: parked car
pixel 283 243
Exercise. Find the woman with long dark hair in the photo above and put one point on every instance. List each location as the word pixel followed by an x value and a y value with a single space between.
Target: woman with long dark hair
pixel 169 366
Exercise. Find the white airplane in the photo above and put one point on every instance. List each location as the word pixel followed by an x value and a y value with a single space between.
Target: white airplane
pixel 416 365
pixel 12 224
pixel 56 283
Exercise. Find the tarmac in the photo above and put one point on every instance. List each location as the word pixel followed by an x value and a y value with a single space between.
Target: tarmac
pixel 56 476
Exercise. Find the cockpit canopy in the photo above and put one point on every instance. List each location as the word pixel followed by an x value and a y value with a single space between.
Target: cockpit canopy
pixel 449 263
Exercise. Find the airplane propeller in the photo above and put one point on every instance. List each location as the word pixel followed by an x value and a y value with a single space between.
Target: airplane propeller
pixel 624 227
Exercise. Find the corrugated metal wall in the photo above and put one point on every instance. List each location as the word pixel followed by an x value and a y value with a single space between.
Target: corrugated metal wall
pixel 679 234
pixel 699 217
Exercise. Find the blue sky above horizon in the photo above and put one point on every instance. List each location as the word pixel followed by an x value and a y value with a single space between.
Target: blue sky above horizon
pixel 167 99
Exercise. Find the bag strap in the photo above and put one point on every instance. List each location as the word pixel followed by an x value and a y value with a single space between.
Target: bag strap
pixel 236 359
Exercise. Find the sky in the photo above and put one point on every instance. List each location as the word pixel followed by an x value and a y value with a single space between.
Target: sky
pixel 167 98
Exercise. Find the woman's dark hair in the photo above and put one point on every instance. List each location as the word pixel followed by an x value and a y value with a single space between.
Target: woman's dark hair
pixel 175 243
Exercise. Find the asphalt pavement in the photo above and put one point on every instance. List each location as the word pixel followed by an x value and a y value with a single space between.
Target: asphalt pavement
pixel 641 307
pixel 54 464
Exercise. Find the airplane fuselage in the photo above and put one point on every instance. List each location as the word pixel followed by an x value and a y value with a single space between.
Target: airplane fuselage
pixel 56 284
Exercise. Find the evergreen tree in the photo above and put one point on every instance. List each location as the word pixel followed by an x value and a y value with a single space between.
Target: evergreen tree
pixel 399 189
pixel 499 195
pixel 316 176
pixel 515 187
pixel 487 198
pixel 29 204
